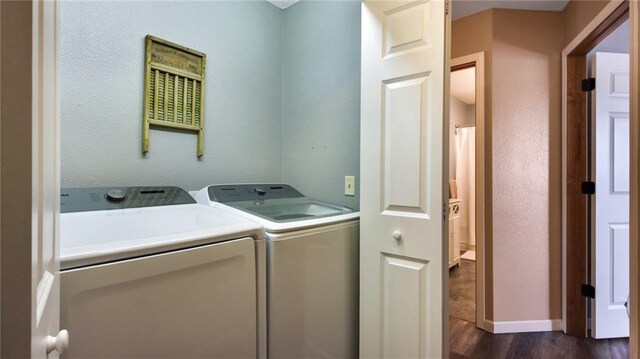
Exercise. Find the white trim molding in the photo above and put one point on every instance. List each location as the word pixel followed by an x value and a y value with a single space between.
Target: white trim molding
pixel 524 326
pixel 477 60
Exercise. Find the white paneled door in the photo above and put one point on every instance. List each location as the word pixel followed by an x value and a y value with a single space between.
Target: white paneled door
pixel 611 248
pixel 45 292
pixel 402 292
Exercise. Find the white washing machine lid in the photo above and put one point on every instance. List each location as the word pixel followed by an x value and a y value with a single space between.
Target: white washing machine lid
pixel 277 213
pixel 94 237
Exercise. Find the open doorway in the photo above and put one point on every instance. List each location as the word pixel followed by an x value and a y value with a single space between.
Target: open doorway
pixel 596 179
pixel 462 244
pixel 466 184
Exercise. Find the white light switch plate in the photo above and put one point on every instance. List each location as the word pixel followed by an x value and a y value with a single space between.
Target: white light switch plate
pixel 349 185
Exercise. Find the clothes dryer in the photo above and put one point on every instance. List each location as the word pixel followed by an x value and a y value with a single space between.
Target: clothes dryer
pixel 312 267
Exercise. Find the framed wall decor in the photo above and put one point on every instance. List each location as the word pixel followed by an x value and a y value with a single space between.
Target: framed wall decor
pixel 173 89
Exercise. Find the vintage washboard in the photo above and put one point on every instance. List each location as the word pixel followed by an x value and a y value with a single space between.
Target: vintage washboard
pixel 173 89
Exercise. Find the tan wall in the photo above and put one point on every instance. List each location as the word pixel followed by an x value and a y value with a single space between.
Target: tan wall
pixel 527 242
pixel 470 35
pixel 523 158
pixel 15 183
pixel 577 14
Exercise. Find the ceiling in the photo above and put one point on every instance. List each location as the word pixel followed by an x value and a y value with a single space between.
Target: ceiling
pixel 462 8
pixel 283 4
pixel 463 85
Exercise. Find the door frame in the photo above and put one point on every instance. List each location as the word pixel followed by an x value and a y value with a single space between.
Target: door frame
pixel 574 203
pixel 634 211
pixel 477 60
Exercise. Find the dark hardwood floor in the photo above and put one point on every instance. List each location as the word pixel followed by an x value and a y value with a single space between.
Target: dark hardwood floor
pixel 467 341
pixel 462 291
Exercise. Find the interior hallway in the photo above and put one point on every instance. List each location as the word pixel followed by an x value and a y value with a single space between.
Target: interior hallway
pixel 467 341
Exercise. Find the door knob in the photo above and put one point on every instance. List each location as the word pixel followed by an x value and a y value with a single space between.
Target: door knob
pixel 397 235
pixel 59 343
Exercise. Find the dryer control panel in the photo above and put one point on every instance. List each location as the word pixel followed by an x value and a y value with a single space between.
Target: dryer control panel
pixel 105 198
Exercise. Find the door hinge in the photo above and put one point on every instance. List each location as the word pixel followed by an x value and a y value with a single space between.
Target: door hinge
pixel 588 291
pixel 588 84
pixel 446 7
pixel 588 187
pixel 445 211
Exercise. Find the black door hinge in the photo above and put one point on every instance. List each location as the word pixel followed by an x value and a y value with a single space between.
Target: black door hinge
pixel 588 84
pixel 588 187
pixel 588 291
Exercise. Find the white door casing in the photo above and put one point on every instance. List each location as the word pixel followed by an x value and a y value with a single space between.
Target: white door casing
pixel 45 288
pixel 402 292
pixel 611 225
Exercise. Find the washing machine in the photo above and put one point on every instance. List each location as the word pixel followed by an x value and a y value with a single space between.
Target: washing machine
pixel 146 272
pixel 312 267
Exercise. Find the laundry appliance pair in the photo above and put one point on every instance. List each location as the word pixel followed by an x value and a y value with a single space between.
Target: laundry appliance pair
pixel 246 271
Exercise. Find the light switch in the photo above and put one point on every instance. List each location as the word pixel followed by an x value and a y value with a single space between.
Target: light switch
pixel 349 185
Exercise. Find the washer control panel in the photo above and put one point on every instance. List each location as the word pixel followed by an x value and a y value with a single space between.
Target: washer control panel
pixel 101 198
pixel 251 192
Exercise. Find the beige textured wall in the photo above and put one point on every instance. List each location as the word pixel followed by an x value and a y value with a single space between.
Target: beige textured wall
pixel 577 14
pixel 527 165
pixel 470 35
pixel 15 179
pixel 523 163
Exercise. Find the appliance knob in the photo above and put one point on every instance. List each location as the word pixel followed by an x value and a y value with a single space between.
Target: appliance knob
pixel 260 190
pixel 116 195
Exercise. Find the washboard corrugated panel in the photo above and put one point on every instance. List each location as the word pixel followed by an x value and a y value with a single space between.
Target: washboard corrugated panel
pixel 174 89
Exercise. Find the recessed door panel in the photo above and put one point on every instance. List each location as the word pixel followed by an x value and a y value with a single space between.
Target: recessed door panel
pixel 405 315
pixel 405 28
pixel 619 262
pixel 620 153
pixel 619 83
pixel 404 118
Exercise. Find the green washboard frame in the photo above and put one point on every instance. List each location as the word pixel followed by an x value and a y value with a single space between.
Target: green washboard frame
pixel 173 89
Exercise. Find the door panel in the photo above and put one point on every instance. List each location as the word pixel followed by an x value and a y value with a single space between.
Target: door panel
pixel 611 247
pixel 620 155
pixel 619 259
pixel 402 120
pixel 46 183
pixel 405 332
pixel 404 161
pixel 405 28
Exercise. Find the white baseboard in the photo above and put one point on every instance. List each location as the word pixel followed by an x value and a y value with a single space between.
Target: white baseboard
pixel 467 246
pixel 524 326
